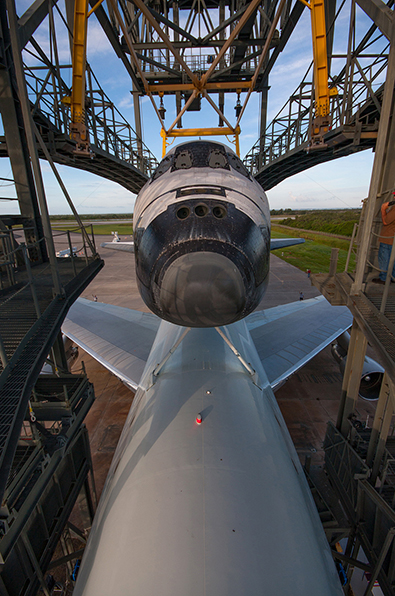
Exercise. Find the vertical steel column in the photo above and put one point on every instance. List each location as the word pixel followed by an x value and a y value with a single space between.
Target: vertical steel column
pixel 71 254
pixel 137 122
pixel 70 6
pixel 386 423
pixel 382 406
pixel 3 353
pixel 17 148
pixel 263 122
pixel 333 262
pixel 176 37
pixel 352 378
pixel 31 281
pixel 24 100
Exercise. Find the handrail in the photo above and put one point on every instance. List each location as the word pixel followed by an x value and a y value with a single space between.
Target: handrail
pixel 289 129
pixel 8 260
pixel 108 128
pixel 388 278
pixel 354 232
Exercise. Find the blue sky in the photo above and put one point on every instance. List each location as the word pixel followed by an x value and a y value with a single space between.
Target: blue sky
pixel 338 184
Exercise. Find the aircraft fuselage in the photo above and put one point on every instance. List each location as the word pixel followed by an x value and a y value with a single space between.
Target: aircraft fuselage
pixel 220 508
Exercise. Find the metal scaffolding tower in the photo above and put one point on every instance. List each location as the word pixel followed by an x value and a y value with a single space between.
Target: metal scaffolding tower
pixel 44 451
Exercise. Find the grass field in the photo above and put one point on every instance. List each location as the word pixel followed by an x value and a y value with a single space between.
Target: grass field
pixel 123 229
pixel 313 255
pixel 318 238
pixel 337 221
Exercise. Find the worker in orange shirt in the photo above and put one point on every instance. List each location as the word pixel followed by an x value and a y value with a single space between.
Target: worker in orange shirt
pixel 386 240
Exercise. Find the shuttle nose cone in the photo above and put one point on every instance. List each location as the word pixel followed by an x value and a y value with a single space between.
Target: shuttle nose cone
pixel 202 289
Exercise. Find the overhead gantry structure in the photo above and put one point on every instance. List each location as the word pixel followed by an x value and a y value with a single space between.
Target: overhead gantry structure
pixel 217 51
pixel 196 66
pixel 185 64
pixel 199 60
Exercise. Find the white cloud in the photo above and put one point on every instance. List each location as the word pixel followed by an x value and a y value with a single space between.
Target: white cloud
pixel 98 43
pixel 125 102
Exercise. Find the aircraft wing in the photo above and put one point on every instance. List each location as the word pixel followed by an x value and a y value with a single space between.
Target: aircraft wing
pixel 276 243
pixel 287 337
pixel 119 338
pixel 122 246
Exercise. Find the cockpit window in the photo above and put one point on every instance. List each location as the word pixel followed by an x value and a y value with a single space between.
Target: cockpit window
pixel 164 165
pixel 217 159
pixel 183 160
pixel 201 155
pixel 238 165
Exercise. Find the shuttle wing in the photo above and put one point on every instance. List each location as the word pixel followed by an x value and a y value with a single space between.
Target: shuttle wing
pixel 119 338
pixel 276 243
pixel 287 337
pixel 122 246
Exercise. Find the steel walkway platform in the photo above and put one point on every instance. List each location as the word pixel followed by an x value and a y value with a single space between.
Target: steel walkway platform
pixel 28 340
pixel 378 327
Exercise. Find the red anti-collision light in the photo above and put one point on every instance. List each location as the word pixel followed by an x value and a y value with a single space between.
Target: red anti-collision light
pixel 199 419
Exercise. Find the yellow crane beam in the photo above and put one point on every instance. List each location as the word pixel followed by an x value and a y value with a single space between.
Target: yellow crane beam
pixel 320 57
pixel 78 130
pixel 201 132
pixel 322 92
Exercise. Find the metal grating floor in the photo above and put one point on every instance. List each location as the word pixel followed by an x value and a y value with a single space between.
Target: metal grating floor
pixel 29 340
pixel 380 328
pixel 17 310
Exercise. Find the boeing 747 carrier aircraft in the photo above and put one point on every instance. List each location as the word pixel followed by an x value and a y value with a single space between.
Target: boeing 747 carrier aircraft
pixel 205 495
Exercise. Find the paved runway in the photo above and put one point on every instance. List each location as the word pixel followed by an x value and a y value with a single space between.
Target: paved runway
pixel 308 400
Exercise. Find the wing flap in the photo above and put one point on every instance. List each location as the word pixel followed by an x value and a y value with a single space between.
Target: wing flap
pixel 119 338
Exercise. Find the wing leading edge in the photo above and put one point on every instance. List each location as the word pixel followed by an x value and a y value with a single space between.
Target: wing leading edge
pixel 276 243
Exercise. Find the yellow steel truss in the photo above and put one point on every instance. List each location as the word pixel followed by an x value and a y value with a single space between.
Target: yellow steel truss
pixel 201 132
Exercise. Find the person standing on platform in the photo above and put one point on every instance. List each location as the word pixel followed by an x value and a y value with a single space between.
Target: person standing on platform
pixel 386 240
